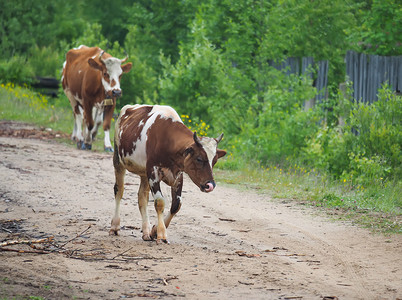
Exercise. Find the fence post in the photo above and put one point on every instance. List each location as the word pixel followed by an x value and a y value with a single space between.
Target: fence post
pixel 341 118
pixel 307 64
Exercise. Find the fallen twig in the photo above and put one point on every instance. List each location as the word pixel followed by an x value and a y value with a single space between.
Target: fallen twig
pixel 76 237
pixel 24 251
pixel 27 242
pixel 121 254
pixel 243 253
pixel 226 220
pixel 5 229
pixel 166 280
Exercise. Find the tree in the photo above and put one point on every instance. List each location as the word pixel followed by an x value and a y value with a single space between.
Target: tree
pixel 24 24
pixel 380 28
pixel 200 84
pixel 161 26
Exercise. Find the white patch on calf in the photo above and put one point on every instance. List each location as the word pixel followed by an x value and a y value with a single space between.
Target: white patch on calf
pixel 209 145
pixel 158 195
pixel 139 155
pixel 166 112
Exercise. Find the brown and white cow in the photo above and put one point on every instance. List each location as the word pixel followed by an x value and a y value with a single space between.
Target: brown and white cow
pixel 152 142
pixel 90 76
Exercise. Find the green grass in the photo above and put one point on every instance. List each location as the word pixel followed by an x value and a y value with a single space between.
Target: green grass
pixel 377 206
pixel 21 104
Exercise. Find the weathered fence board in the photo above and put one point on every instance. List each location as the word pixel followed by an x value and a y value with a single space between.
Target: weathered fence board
pixel 366 72
pixel 369 72
pixel 318 71
pixel 322 80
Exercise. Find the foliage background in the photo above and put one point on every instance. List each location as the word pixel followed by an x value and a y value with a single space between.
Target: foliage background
pixel 210 61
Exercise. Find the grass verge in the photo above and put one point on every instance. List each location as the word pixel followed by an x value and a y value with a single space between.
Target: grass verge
pixel 21 104
pixel 377 208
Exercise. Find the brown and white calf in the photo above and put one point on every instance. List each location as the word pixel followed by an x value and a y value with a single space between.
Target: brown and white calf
pixel 90 76
pixel 153 142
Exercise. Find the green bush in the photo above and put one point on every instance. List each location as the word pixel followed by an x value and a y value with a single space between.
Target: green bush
pixel 140 84
pixel 278 126
pixel 368 148
pixel 45 62
pixel 378 138
pixel 200 85
pixel 16 70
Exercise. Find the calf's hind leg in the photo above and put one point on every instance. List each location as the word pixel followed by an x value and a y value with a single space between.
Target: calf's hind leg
pixel 143 198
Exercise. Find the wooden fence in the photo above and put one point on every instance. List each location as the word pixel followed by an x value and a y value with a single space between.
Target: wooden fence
pixel 318 71
pixel 366 72
pixel 369 72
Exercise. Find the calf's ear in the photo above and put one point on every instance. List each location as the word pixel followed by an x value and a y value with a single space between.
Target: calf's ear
pixel 127 67
pixel 188 151
pixel 94 64
pixel 220 153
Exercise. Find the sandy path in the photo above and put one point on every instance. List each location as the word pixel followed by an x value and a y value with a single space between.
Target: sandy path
pixel 229 244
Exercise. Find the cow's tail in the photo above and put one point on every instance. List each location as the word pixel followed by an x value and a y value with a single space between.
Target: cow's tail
pixel 116 159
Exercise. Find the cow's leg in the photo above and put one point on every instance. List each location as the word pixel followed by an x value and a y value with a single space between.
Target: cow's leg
pixel 78 118
pixel 78 114
pixel 143 198
pixel 119 172
pixel 158 231
pixel 89 124
pixel 107 119
pixel 74 134
pixel 97 115
pixel 176 201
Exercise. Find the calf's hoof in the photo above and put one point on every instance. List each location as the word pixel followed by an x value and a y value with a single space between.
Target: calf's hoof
pixel 114 231
pixel 159 241
pixel 154 236
pixel 154 233
pixel 115 226
pixel 147 237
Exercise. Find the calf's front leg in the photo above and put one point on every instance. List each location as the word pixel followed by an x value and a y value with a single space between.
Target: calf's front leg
pixel 176 200
pixel 158 231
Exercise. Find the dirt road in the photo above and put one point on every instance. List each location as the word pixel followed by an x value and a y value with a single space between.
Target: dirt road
pixel 229 244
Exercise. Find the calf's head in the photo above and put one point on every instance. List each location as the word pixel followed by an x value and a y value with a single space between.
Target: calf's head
pixel 199 160
pixel 111 69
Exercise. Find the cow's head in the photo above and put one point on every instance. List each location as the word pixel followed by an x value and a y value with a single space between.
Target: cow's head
pixel 199 160
pixel 112 70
